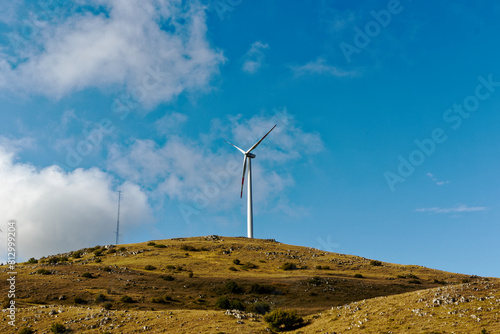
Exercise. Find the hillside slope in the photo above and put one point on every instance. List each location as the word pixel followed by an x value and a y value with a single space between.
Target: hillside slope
pixel 159 279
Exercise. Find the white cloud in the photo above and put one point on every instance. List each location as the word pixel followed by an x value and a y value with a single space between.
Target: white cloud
pixel 457 209
pixel 205 173
pixel 58 211
pixel 254 57
pixel 125 48
pixel 319 66
pixel 436 180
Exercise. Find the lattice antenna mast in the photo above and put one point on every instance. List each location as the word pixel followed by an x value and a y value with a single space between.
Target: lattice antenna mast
pixel 118 218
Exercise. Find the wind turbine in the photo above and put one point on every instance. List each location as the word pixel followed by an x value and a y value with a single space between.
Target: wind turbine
pixel 248 158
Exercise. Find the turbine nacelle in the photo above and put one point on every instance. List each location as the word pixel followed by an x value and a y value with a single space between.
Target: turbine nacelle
pixel 250 155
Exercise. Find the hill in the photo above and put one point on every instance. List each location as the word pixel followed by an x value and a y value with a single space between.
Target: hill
pixel 185 285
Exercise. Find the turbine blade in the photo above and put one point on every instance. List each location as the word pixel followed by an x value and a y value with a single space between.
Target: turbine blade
pixel 243 177
pixel 257 143
pixel 235 146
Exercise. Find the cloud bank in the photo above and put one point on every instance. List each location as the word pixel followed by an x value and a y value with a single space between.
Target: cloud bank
pixel 58 211
pixel 155 49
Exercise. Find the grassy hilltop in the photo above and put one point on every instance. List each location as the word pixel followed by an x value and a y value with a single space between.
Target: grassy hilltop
pixel 186 285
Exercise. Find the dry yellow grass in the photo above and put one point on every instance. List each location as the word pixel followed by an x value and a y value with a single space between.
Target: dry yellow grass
pixel 192 273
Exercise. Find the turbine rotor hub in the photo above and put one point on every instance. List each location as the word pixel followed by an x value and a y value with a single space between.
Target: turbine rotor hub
pixel 251 155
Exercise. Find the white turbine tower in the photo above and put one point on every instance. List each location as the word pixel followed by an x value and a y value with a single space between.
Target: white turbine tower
pixel 248 158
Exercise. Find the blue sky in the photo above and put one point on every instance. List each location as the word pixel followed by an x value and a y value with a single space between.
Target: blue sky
pixel 386 113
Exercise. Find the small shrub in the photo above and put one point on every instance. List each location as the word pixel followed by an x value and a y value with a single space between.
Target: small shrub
pixel 98 252
pixel 401 276
pixel 235 304
pixel 100 298
pixel 191 274
pixel 411 276
pixel 249 265
pixel 77 254
pixel 414 281
pixel 57 328
pixel 261 289
pixel 359 276
pixel 44 272
pixel 150 267
pixel 122 249
pixel 87 275
pixel 151 243
pixel 289 266
pixel 283 320
pixel 26 330
pixel 79 300
pixel 259 308
pixel 168 277
pixel 315 281
pixel 160 246
pixel 111 251
pixel 439 281
pixel 236 262
pixel 375 263
pixel 326 267
pixel 484 331
pixel 107 306
pixel 188 248
pixel 223 303
pixel 233 269
pixel 53 260
pixel 159 300
pixel 98 260
pixel 232 287
pixel 32 261
pixel 107 269
pixel 170 267
pixel 126 299
pixel 319 267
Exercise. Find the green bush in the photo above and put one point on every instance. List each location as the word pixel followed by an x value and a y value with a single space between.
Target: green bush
pixel 98 252
pixel 57 328
pixel 150 267
pixel 87 275
pixel 107 306
pixel 375 263
pixel 189 248
pixel 261 289
pixel 100 298
pixel 249 265
pixel 151 243
pixel 359 276
pixel 26 330
pixel 79 300
pixel 32 261
pixel 233 269
pixel 236 262
pixel 98 260
pixel 411 276
pixel 223 303
pixel 44 272
pixel 111 250
pixel 233 287
pixel 283 320
pixel 122 249
pixel 160 246
pixel 170 267
pixel 289 266
pixel 168 277
pixel 414 281
pixel 126 299
pixel 259 308
pixel 191 274
pixel 236 305
pixel 77 254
